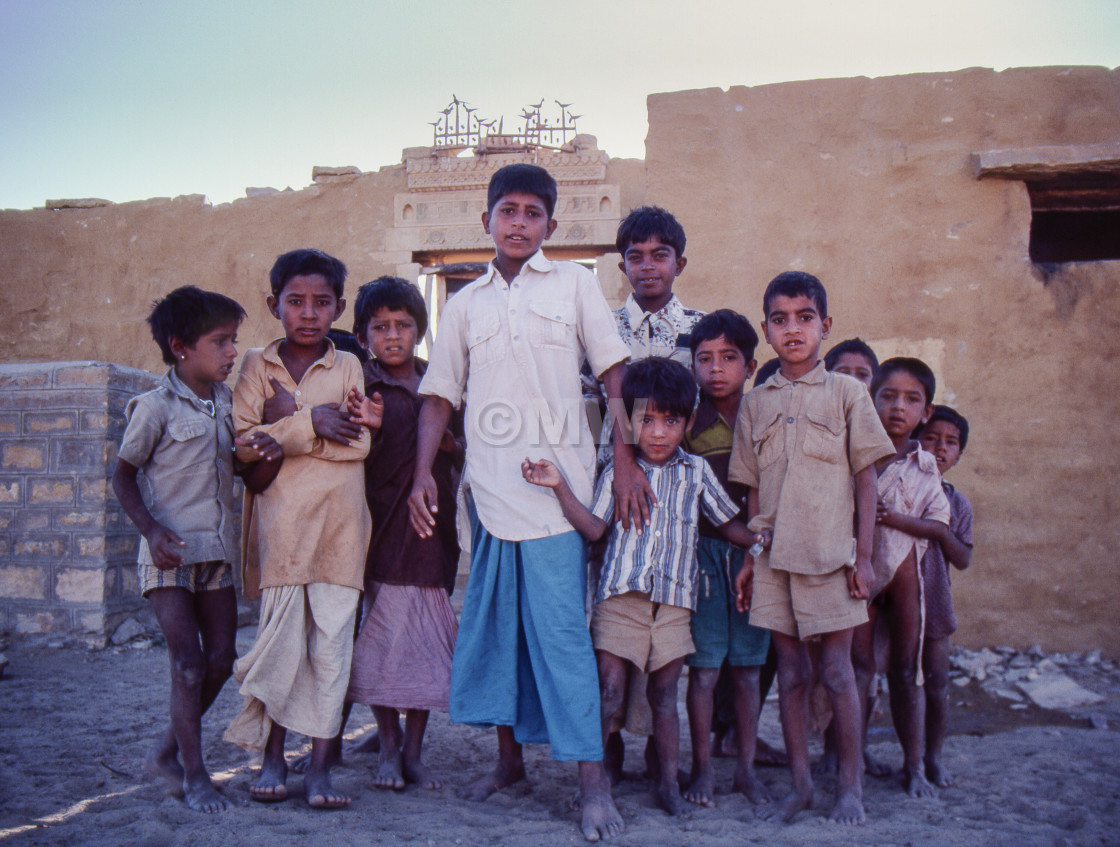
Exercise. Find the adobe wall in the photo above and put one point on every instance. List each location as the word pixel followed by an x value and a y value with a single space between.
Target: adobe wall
pixel 871 185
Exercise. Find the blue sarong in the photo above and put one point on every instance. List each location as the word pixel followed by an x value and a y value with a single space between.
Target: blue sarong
pixel 523 657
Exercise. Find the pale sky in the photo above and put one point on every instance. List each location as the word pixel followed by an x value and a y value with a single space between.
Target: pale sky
pixel 130 99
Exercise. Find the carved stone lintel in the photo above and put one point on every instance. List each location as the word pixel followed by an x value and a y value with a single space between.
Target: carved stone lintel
pixel 1043 163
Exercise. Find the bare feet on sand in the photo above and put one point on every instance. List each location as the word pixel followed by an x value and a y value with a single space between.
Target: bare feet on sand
pixel 914 781
pixel 784 810
pixel 747 784
pixel 417 773
pixel 389 771
pixel 204 797
pixel 936 773
pixel 270 786
pixel 669 798
pixel 320 794
pixel 164 763
pixel 848 810
pixel 701 788
pixel 497 779
pixel 301 763
pixel 600 819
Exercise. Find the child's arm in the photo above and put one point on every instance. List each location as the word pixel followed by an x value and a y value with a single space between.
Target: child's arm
pixel 578 515
pixel 867 495
pixel 367 411
pixel 165 545
pixel 258 475
pixel 633 495
pixel 423 502
pixel 956 551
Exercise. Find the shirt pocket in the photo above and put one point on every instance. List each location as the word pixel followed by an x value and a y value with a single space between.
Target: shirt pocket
pixel 825 438
pixel 768 440
pixel 186 430
pixel 552 323
pixel 483 340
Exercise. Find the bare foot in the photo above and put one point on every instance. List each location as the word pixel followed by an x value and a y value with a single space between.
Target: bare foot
pixel 417 773
pixel 204 797
pixel 669 798
pixel 320 794
pixel 747 784
pixel 875 767
pixel 936 773
pixel 389 771
pixel 701 788
pixel 270 786
pixel 914 781
pixel 848 810
pixel 499 778
pixel 600 818
pixel 766 754
pixel 786 809
pixel 165 764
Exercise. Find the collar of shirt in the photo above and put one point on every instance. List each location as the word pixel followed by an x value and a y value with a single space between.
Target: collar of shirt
pixel 705 417
pixel 678 456
pixel 272 354
pixel 375 374
pixel 536 262
pixel 671 313
pixel 179 388
pixel 813 377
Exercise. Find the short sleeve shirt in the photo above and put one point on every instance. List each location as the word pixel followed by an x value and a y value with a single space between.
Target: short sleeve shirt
pixel 512 351
pixel 800 443
pixel 184 446
pixel 662 560
pixel 666 332
pixel 941 621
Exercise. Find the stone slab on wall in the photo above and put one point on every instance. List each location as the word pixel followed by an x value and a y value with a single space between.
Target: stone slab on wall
pixel 67 550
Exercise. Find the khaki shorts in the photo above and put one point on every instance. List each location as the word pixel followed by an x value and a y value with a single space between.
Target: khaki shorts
pixel 201 576
pixel 648 635
pixel 803 605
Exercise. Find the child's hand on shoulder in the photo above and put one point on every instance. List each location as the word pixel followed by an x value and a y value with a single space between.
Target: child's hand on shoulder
pixel 367 411
pixel 333 423
pixel 280 405
pixel 166 547
pixel 264 445
pixel 541 473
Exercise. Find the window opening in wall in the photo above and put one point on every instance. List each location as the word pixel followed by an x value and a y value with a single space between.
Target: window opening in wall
pixel 1075 218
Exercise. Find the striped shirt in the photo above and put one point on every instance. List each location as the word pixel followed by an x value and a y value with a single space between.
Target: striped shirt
pixel 662 560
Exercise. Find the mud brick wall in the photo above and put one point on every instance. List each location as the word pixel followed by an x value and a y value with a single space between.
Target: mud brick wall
pixel 67 550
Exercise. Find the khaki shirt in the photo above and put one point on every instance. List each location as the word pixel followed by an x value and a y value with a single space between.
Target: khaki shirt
pixel 184 447
pixel 513 351
pixel 311 524
pixel 800 443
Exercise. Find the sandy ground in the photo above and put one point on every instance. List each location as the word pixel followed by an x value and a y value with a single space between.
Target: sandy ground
pixel 74 725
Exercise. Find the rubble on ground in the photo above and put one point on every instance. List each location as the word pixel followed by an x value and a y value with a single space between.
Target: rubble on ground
pixel 1055 681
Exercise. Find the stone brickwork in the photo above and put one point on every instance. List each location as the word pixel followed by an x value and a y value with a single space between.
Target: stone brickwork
pixel 67 550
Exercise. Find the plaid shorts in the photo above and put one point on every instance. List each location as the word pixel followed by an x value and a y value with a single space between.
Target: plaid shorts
pixel 200 576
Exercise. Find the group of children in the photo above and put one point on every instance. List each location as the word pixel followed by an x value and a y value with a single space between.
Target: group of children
pixel 730 528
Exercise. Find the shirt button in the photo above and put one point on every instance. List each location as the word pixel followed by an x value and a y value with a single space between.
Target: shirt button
pixel 297 392
pixel 789 420
pixel 657 533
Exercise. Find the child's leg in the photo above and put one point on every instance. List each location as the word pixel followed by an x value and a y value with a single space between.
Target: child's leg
pixel 271 786
pixel 847 721
pixel 662 694
pixel 317 786
pixel 935 664
pixel 416 721
pixel 193 687
pixel 907 700
pixel 748 704
pixel 700 701
pixel 794 674
pixel 389 773
pixel 613 674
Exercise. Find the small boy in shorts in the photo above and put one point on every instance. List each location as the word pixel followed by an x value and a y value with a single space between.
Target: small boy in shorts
pixel 800 439
pixel 912 509
pixel 723 345
pixel 945 435
pixel 307 529
pixel 648 585
pixel 180 435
